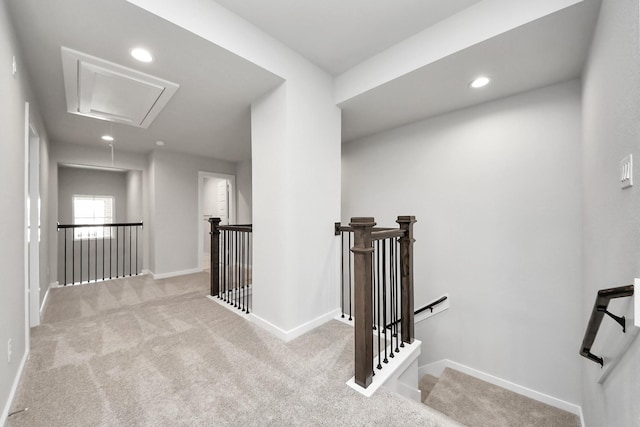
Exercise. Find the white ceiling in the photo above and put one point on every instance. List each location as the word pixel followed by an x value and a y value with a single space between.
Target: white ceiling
pixel 210 113
pixel 338 34
pixel 549 50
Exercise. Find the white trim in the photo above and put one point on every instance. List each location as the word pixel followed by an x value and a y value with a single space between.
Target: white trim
pixel 43 306
pixel 27 295
pixel 391 370
pixel 436 369
pixel 14 388
pixel 174 273
pixel 291 334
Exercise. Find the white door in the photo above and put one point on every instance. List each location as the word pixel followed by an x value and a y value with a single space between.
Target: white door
pixel 223 201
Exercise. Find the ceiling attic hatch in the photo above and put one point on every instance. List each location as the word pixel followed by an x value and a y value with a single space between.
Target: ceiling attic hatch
pixel 104 90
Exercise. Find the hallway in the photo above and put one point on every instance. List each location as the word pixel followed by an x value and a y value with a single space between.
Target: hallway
pixel 143 352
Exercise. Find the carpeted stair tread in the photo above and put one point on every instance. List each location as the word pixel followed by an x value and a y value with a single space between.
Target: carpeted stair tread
pixel 426 384
pixel 476 403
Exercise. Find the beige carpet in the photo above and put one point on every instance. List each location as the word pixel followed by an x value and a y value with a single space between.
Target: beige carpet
pixel 476 403
pixel 138 352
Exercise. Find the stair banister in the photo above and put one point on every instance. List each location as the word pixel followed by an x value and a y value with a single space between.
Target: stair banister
pixel 406 277
pixel 362 262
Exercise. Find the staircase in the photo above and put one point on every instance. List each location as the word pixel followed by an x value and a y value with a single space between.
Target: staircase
pixel 476 403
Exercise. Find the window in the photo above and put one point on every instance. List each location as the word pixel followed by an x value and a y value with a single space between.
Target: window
pixel 92 210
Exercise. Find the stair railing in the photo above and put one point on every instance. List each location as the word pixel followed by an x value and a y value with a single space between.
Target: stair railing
pixel 231 263
pixel 597 314
pixel 97 252
pixel 382 280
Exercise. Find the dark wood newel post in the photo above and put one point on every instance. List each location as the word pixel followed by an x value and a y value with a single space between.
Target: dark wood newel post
pixel 362 260
pixel 406 276
pixel 215 255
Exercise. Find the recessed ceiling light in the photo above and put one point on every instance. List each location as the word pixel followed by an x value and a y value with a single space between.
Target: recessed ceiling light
pixel 479 82
pixel 142 55
pixel 160 143
pixel 107 138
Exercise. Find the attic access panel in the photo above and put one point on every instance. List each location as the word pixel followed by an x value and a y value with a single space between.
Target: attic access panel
pixel 101 89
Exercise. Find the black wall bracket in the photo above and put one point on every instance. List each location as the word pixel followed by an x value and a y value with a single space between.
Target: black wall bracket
pixel 619 320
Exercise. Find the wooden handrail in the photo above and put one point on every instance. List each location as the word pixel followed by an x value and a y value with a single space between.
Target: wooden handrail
pixel 387 234
pixel 597 314
pixel 115 224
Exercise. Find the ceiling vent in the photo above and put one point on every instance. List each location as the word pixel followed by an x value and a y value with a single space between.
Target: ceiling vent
pixel 104 90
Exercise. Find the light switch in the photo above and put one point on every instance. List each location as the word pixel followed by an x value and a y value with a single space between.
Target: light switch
pixel 626 171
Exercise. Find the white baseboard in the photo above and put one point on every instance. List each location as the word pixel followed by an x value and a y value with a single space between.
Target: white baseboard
pixel 436 369
pixel 14 389
pixel 43 306
pixel 391 370
pixel 157 276
pixel 291 334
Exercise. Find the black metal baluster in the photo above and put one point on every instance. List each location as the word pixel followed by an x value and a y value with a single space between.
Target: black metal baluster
pixel 117 252
pixel 73 255
pixel 244 270
pixel 237 272
pixel 384 296
pixel 397 282
pixel 65 256
pixel 373 293
pixel 103 254
pixel 342 272
pixel 391 300
pixel 350 272
pixel 136 250
pixel 250 265
pixel 224 263
pixel 130 252
pixel 110 251
pixel 377 256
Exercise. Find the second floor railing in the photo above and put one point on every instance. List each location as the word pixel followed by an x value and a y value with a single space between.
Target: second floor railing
pixel 231 263
pixel 96 252
pixel 377 290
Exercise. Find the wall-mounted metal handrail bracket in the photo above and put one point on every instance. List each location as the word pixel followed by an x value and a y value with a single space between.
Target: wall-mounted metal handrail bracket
pixel 620 320
pixel 597 314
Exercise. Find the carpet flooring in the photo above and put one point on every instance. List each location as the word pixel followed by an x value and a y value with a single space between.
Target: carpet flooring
pixel 139 352
pixel 477 403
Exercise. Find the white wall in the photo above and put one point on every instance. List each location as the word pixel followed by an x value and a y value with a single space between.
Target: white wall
pixel 295 164
pixel 245 195
pixel 611 216
pixel 15 91
pixel 496 191
pixel 135 196
pixel 175 208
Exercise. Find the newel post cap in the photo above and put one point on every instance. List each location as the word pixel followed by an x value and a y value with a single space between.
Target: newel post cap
pixel 362 222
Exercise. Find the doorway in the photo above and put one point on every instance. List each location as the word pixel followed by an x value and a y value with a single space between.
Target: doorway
pixel 32 172
pixel 216 198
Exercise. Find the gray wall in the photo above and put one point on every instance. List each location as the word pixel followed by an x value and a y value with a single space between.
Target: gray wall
pixel 100 156
pixel 496 190
pixel 15 91
pixel 611 216
pixel 243 183
pixel 174 208
pixel 75 181
pixel 134 196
